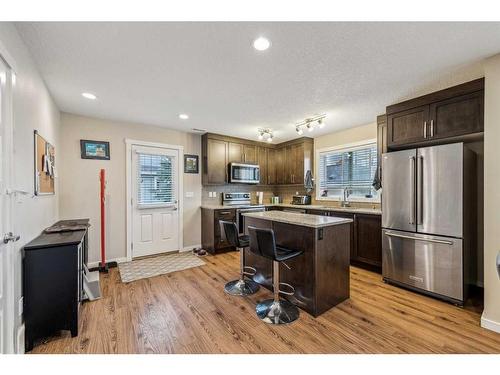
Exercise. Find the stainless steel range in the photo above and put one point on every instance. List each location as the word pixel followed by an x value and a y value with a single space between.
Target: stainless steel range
pixel 242 203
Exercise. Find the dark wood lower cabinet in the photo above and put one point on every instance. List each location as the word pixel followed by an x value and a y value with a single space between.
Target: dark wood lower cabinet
pixel 211 238
pixel 366 238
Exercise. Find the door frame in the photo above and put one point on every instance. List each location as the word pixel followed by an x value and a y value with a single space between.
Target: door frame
pixel 9 289
pixel 133 142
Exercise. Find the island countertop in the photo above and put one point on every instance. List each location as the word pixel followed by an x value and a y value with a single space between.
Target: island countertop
pixel 312 221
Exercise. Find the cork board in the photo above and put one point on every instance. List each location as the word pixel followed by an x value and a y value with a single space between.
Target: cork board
pixel 44 166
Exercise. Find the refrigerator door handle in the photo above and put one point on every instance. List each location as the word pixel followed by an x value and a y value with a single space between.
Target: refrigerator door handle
pixel 420 190
pixel 444 242
pixel 412 190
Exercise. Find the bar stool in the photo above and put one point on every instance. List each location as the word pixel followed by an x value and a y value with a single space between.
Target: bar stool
pixel 276 310
pixel 239 287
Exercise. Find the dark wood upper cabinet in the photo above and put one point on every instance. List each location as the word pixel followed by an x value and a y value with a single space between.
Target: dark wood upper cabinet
pixel 408 126
pixel 449 115
pixel 457 116
pixel 284 163
pixel 214 161
pixel 250 153
pixel 262 160
pixel 280 166
pixel 235 152
pixel 271 166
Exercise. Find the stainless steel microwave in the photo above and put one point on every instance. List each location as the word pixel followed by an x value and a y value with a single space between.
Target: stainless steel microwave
pixel 240 173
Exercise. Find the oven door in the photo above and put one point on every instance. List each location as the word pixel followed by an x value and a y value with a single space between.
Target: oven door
pixel 244 173
pixel 240 222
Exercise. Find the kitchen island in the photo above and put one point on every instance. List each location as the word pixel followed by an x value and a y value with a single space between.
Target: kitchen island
pixel 320 275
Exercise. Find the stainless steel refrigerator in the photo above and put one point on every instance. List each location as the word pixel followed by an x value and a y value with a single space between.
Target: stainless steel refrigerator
pixel 429 219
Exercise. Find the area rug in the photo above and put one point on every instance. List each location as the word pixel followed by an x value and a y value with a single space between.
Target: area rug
pixel 158 265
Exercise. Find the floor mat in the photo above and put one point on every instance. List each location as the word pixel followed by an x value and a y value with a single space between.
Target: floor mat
pixel 158 265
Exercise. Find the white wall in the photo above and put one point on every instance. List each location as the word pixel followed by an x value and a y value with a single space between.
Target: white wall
pixel 80 179
pixel 33 108
pixel 491 313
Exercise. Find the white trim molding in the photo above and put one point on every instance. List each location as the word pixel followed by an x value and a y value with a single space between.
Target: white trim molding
pixel 128 184
pixel 490 324
pixel 352 145
pixel 96 264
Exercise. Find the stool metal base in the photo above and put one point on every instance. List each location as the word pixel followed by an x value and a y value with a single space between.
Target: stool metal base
pixel 277 312
pixel 241 287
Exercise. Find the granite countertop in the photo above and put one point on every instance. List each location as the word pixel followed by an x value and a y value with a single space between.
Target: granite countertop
pixel 372 211
pixel 313 221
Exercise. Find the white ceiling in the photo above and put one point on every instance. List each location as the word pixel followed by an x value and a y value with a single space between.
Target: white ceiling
pixel 150 72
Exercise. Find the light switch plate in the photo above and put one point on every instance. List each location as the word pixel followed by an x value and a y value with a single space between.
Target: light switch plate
pixel 189 194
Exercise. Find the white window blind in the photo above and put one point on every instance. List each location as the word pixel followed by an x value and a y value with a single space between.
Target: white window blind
pixel 155 179
pixel 351 168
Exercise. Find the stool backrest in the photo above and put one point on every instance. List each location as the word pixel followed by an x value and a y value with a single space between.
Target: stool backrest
pixel 262 242
pixel 231 232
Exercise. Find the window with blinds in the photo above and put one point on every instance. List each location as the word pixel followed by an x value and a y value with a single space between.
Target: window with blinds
pixel 349 168
pixel 155 179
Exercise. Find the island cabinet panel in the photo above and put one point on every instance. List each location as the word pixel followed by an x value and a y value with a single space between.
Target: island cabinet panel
pixel 320 275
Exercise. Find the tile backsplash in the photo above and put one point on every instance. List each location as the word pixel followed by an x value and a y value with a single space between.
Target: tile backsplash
pixel 284 192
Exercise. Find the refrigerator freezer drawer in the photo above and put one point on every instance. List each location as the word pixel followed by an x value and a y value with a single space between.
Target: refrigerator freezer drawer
pixel 430 263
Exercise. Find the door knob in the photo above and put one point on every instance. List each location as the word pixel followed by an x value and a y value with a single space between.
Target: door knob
pixel 10 237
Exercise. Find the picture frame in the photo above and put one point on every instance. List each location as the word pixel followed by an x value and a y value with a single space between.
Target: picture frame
pixel 191 163
pixel 97 150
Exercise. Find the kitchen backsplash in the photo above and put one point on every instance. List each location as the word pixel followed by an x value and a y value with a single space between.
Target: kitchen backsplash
pixel 284 192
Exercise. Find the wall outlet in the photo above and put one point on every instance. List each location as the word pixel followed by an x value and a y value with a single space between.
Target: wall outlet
pixel 20 308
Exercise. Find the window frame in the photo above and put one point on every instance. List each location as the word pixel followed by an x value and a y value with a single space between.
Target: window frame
pixel 338 148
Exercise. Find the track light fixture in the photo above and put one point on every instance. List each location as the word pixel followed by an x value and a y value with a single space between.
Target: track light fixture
pixel 310 124
pixel 265 133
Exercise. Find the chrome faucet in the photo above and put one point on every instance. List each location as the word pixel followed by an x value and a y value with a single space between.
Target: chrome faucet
pixel 345 201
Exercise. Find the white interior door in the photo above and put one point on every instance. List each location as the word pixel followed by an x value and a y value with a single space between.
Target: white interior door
pixel 155 200
pixel 6 256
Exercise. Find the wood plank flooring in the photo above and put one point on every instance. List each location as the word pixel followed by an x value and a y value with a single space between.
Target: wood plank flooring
pixel 188 312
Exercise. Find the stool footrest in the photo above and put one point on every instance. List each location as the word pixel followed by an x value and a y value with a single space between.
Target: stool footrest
pixel 290 292
pixel 249 271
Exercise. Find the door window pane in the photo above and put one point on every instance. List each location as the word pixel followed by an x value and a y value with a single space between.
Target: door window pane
pixel 155 179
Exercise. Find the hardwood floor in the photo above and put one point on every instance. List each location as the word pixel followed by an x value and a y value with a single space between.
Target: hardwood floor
pixel 188 312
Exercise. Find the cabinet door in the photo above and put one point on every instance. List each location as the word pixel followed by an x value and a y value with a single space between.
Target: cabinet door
pixel 408 126
pixel 262 160
pixel 216 161
pixel 457 116
pixel 271 166
pixel 249 154
pixel 298 170
pixel 289 164
pixel 280 166
pixel 235 152
pixel 368 239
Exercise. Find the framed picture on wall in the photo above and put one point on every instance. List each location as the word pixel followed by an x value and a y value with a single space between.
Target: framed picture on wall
pixel 94 149
pixel 191 163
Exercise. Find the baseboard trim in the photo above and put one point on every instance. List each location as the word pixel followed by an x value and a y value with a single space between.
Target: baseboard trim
pixel 490 324
pixel 117 260
pixel 190 248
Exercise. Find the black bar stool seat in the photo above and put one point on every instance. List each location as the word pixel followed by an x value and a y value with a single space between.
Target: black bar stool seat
pixel 275 310
pixel 240 287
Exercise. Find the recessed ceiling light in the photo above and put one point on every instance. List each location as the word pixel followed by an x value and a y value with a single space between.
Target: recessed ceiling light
pixel 183 116
pixel 88 95
pixel 261 44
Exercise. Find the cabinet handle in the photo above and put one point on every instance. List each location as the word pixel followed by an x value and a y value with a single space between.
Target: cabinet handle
pixel 425 129
pixel 432 128
pixel 225 212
